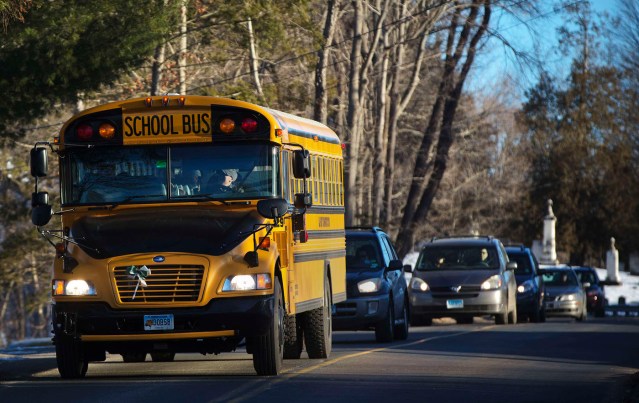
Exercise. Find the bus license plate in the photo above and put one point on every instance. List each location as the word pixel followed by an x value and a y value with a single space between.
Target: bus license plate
pixel 454 303
pixel 158 322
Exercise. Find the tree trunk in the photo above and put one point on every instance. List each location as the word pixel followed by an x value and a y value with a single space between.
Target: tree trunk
pixel 353 116
pixel 158 66
pixel 320 110
pixel 448 97
pixel 254 59
pixel 182 50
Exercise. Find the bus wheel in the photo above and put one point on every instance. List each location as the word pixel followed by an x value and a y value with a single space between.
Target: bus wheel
pixel 318 327
pixel 162 356
pixel 268 350
pixel 293 337
pixel 69 355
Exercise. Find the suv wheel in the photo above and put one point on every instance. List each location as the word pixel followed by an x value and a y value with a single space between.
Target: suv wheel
pixel 501 318
pixel 512 317
pixel 384 331
pixel 535 315
pixel 401 330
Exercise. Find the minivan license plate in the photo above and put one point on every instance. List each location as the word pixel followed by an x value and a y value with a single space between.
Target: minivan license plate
pixel 158 322
pixel 455 303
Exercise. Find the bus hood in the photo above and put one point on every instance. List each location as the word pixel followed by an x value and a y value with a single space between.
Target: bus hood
pixel 197 231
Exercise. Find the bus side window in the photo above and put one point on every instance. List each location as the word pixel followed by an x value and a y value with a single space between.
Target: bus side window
pixel 314 178
pixel 285 161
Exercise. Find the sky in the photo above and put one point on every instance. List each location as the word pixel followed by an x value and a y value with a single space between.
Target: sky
pixel 535 36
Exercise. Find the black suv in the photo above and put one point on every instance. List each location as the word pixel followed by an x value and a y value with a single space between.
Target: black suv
pixel 530 284
pixel 463 277
pixel 375 287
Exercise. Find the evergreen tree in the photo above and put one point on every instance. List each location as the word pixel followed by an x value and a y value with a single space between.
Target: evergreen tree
pixel 66 49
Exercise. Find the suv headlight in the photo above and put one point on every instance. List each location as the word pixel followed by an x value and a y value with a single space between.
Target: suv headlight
pixel 370 285
pixel 568 297
pixel 524 287
pixel 493 283
pixel 418 284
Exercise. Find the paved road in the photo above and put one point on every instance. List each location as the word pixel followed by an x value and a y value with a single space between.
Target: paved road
pixel 557 361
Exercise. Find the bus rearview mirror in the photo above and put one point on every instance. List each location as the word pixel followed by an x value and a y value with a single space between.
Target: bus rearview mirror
pixel 272 208
pixel 41 215
pixel 301 164
pixel 303 200
pixel 39 199
pixel 39 162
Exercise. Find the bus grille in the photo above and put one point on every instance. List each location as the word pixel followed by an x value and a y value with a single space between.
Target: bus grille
pixel 166 283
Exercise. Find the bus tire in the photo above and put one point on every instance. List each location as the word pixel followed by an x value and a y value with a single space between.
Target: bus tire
pixel 69 355
pixel 293 337
pixel 268 349
pixel 318 327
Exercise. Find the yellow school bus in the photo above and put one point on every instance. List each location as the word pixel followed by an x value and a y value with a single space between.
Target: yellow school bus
pixel 193 224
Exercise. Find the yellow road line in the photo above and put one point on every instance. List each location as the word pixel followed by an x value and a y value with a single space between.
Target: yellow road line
pixel 265 384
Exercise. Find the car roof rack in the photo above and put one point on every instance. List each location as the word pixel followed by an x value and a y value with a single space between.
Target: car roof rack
pixel 487 237
pixel 365 228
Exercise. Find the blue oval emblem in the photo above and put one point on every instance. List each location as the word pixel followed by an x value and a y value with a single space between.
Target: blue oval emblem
pixel 158 259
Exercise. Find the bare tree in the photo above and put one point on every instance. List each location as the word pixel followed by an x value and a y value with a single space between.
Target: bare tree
pixel 467 26
pixel 320 111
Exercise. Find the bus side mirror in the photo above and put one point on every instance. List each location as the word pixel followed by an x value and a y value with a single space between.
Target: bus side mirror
pixel 303 200
pixel 272 208
pixel 39 162
pixel 301 164
pixel 41 215
pixel 39 199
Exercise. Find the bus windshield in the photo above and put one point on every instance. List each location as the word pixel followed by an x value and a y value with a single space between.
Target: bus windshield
pixel 169 173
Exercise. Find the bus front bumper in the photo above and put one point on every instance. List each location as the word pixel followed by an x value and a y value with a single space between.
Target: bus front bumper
pixel 97 321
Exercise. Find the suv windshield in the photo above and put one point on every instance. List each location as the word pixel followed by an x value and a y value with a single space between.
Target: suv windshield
pixel 362 254
pixel 458 258
pixel 587 277
pixel 560 278
pixel 162 173
pixel 523 263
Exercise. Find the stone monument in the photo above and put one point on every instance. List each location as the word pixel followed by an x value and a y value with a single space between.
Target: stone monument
pixel 612 263
pixel 549 251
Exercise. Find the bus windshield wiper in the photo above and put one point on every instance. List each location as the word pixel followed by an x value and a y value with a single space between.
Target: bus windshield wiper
pixel 129 198
pixel 206 196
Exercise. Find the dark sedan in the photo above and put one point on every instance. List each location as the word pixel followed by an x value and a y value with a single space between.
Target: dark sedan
pixel 565 295
pixel 595 295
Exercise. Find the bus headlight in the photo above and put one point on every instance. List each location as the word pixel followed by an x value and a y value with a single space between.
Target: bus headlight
pixel 73 287
pixel 246 282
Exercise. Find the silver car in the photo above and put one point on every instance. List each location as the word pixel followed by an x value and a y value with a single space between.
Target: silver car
pixel 463 278
pixel 565 296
